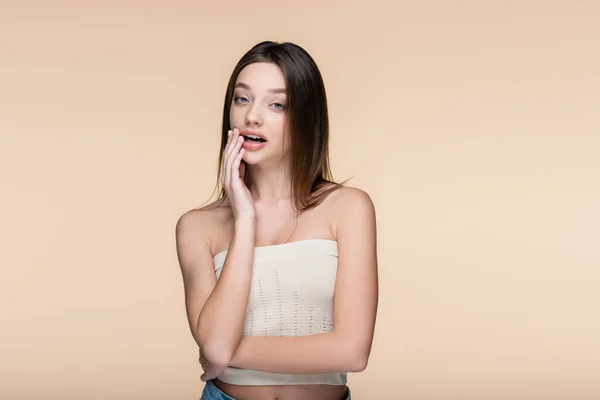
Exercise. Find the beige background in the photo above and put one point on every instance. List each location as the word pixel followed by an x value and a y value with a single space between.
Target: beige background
pixel 474 125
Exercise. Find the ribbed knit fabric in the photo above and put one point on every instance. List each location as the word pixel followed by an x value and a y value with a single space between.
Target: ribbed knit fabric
pixel 291 294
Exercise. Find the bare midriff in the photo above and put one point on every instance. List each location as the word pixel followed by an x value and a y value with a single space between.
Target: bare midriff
pixel 282 392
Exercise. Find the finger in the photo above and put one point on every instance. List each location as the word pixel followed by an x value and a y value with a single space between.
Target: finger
pixel 235 140
pixel 228 161
pixel 225 153
pixel 235 171
pixel 224 157
pixel 235 148
pixel 235 162
pixel 234 136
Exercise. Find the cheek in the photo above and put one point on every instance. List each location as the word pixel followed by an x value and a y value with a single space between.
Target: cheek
pixel 236 118
pixel 278 126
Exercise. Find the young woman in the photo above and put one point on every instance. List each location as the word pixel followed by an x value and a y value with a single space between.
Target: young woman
pixel 280 273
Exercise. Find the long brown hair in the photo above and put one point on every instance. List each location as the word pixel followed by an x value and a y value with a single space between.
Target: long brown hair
pixel 306 110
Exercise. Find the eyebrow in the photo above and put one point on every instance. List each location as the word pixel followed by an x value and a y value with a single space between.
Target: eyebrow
pixel 244 86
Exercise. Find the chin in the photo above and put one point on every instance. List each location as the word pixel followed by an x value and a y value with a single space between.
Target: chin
pixel 251 159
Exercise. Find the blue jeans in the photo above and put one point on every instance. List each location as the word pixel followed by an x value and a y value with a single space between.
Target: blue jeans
pixel 211 392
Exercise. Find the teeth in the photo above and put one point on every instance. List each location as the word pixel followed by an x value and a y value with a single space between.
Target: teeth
pixel 253 136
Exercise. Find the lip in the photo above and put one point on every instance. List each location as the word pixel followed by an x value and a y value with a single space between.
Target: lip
pixel 255 133
pixel 253 145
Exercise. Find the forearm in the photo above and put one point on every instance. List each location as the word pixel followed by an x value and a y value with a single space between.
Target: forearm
pixel 222 318
pixel 314 354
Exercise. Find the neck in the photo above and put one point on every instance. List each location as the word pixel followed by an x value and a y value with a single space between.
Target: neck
pixel 269 185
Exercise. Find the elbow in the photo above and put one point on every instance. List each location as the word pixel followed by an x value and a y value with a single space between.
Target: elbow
pixel 217 354
pixel 359 362
pixel 359 352
pixel 215 350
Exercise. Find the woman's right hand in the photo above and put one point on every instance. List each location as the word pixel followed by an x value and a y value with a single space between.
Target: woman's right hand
pixel 232 179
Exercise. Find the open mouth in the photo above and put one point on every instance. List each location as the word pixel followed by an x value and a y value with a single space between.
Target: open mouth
pixel 253 139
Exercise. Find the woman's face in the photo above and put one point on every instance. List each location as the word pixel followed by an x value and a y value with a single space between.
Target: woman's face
pixel 259 107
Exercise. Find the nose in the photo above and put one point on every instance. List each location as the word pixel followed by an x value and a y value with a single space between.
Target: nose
pixel 253 116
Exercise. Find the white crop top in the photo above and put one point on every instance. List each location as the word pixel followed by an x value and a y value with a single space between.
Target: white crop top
pixel 291 294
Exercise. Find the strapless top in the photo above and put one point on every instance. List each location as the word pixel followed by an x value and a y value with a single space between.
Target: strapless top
pixel 291 294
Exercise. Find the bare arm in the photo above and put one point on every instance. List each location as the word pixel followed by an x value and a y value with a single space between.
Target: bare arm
pixel 347 347
pixel 216 309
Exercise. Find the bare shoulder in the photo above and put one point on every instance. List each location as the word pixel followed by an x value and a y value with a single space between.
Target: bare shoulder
pixel 196 228
pixel 348 199
pixel 348 204
pixel 350 195
pixel 201 219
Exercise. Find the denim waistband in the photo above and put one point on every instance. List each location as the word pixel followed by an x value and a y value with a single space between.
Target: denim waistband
pixel 211 392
